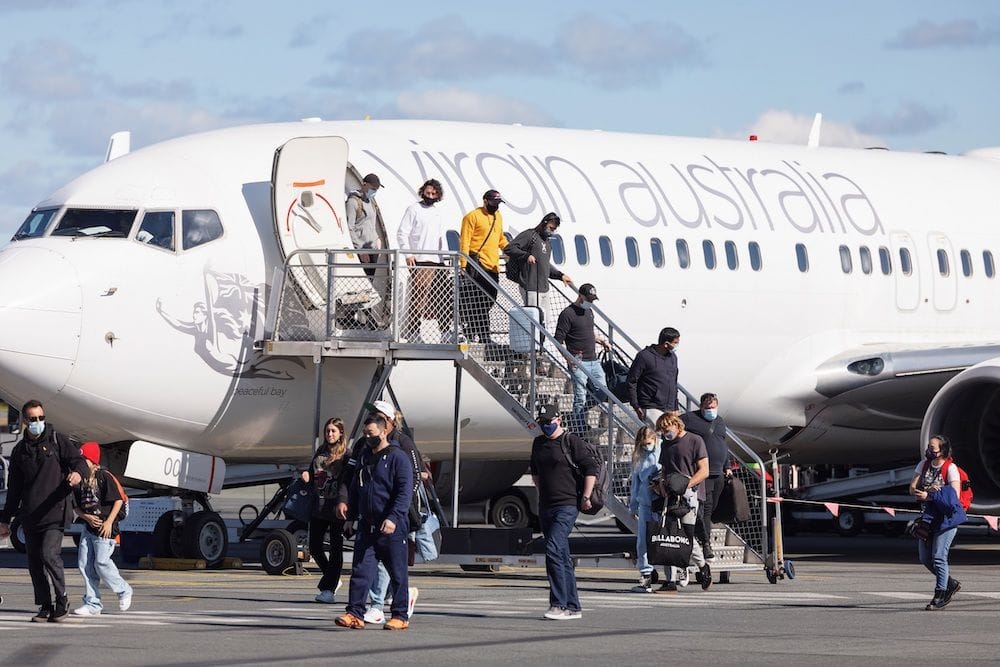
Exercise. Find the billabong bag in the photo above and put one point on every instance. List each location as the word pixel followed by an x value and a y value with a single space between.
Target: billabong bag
pixel 667 543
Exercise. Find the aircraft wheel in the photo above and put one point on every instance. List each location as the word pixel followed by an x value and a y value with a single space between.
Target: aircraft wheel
pixel 204 536
pixel 278 551
pixel 510 511
pixel 849 523
pixel 167 536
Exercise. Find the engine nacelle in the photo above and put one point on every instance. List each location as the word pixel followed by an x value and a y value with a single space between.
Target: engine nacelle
pixel 967 411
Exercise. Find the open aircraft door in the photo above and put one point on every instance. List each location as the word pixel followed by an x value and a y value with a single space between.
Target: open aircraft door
pixel 307 190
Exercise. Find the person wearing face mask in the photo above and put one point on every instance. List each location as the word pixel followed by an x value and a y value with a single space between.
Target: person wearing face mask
pixel 559 504
pixel 43 467
pixel 652 378
pixel 937 485
pixel 364 219
pixel 706 423
pixel 531 254
pixel 685 453
pixel 575 330
pixel 379 502
pixel 420 233
pixel 481 238
pixel 645 466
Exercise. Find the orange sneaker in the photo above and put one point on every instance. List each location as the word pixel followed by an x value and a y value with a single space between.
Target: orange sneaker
pixel 350 621
pixel 396 624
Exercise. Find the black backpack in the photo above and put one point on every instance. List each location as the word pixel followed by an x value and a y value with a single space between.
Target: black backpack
pixel 599 496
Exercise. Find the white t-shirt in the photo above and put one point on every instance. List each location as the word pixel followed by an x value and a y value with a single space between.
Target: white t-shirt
pixel 934 473
pixel 422 228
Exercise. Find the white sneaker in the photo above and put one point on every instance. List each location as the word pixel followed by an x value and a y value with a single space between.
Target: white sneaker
pixel 125 600
pixel 553 613
pixel 326 597
pixel 87 610
pixel 413 593
pixel 374 615
pixel 569 615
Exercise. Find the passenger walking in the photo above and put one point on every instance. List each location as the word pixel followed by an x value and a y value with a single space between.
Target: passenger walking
pixel 575 330
pixel 706 423
pixel 937 485
pixel 652 378
pixel 99 502
pixel 559 503
pixel 379 501
pixel 531 253
pixel 481 238
pixel 42 468
pixel 430 292
pixel 364 220
pixel 324 474
pixel 645 466
pixel 685 453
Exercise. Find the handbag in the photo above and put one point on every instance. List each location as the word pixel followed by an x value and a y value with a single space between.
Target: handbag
pixel 667 542
pixel 300 500
pixel 428 538
pixel 733 505
pixel 615 374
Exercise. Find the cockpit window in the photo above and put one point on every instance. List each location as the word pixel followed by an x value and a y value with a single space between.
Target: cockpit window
pixel 35 224
pixel 95 222
pixel 200 227
pixel 157 229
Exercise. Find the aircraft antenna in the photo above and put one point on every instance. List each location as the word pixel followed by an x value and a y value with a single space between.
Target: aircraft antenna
pixel 119 144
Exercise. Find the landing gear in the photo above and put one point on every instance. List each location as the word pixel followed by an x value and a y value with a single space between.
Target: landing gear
pixel 167 535
pixel 278 551
pixel 204 537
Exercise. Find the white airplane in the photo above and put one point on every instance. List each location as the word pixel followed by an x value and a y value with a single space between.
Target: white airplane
pixel 839 301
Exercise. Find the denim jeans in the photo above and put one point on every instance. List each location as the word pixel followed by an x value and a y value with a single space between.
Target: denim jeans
pixel 641 560
pixel 580 380
pixel 380 589
pixel 934 555
pixel 94 560
pixel 557 523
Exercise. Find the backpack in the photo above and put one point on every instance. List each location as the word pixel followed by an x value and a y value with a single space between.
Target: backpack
pixel 123 512
pixel 965 495
pixel 599 495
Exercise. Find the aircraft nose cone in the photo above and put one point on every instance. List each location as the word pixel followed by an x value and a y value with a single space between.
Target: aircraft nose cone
pixel 41 305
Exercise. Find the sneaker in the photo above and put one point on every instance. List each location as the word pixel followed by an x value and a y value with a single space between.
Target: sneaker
pixel 374 615
pixel 396 624
pixel 560 614
pixel 43 614
pixel 554 613
pixel 87 610
pixel 645 584
pixel 413 592
pixel 667 587
pixel 61 611
pixel 326 597
pixel 125 600
pixel 705 574
pixel 954 586
pixel 571 614
pixel 350 621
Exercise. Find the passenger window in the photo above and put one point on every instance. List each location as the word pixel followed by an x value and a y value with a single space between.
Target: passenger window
pixel 558 249
pixel 656 248
pixel 607 252
pixel 35 224
pixel 988 265
pixel 200 227
pixel 845 259
pixel 453 240
pixel 966 263
pixel 905 265
pixel 94 222
pixel 802 255
pixel 755 259
pixel 866 260
pixel 885 260
pixel 157 229
pixel 708 248
pixel 683 254
pixel 944 266
pixel 582 253
pixel 732 261
pixel 631 251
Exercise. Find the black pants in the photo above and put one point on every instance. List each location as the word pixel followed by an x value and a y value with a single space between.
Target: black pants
pixel 45 563
pixel 330 567
pixel 713 487
pixel 478 298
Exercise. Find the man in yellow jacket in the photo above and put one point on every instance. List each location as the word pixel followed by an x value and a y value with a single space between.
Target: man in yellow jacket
pixel 482 239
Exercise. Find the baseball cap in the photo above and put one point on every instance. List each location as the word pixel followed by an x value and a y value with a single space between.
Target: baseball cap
pixel 589 292
pixel 92 452
pixel 547 413
pixel 386 408
pixel 372 179
pixel 492 195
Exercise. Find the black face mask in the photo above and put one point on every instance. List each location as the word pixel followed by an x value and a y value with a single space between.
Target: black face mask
pixel 545 234
pixel 428 201
pixel 373 441
pixel 491 207
pixel 930 455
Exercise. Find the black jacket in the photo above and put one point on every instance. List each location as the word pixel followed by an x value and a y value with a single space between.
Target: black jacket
pixel 37 491
pixel 652 380
pixel 533 277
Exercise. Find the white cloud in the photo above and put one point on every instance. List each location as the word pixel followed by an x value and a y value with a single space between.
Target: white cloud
pixel 785 127
pixel 954 34
pixel 908 117
pixel 465 105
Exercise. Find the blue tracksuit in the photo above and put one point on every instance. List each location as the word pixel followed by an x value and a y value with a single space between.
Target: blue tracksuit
pixel 382 489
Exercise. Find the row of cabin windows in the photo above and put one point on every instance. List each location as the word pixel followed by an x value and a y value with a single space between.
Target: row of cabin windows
pixel 905 261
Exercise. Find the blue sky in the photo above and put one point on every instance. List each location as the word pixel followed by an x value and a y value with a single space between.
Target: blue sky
pixel 911 75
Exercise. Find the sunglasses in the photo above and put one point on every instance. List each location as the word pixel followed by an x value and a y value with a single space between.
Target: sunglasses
pixel 40 418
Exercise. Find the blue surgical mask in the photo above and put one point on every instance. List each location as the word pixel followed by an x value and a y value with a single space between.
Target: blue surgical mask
pixel 36 428
pixel 371 194
pixel 650 446
pixel 549 429
pixel 710 414
pixel 670 435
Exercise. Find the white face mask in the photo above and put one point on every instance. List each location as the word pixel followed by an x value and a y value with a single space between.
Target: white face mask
pixel 650 446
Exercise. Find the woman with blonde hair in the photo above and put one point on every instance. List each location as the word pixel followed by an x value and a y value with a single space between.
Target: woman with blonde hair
pixel 645 466
pixel 324 473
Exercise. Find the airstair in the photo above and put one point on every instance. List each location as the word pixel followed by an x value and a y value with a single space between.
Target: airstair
pixel 325 304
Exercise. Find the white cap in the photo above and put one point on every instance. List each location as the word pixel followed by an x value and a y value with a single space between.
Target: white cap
pixel 386 408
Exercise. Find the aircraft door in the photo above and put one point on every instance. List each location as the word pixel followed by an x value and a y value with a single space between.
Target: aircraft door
pixel 904 259
pixel 944 273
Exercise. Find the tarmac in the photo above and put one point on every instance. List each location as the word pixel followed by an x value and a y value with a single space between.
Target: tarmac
pixel 854 601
